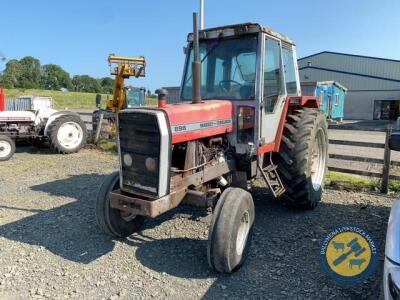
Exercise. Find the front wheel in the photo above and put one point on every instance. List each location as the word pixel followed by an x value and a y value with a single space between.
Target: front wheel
pixel 113 221
pixel 7 148
pixel 230 230
pixel 67 134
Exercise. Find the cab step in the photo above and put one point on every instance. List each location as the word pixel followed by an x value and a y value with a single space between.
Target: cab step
pixel 272 179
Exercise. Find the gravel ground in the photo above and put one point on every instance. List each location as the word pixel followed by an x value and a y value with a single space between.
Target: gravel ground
pixel 51 248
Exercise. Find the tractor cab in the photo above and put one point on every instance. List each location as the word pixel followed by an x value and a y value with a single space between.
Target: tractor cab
pixel 251 66
pixel 135 97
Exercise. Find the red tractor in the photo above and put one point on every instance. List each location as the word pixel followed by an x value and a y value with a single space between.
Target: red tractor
pixel 242 117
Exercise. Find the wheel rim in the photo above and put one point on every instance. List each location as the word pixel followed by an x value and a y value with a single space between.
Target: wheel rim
pixel 127 217
pixel 318 160
pixel 243 232
pixel 70 135
pixel 5 149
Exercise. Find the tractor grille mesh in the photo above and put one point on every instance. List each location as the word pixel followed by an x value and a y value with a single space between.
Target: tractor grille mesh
pixel 139 138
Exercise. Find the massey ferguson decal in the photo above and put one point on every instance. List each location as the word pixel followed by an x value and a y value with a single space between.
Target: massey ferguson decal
pixel 198 126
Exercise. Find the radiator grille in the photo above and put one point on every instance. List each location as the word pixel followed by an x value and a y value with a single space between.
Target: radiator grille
pixel 139 137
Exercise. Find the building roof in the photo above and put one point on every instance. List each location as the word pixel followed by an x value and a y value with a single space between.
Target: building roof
pixel 354 71
pixel 352 55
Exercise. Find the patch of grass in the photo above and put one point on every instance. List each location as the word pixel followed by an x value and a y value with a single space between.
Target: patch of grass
pixel 349 182
pixel 151 101
pixel 62 100
pixel 67 100
pixel 107 145
pixel 394 186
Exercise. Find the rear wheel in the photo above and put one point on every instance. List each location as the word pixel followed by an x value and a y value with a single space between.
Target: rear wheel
pixel 113 221
pixel 303 157
pixel 67 134
pixel 7 148
pixel 230 230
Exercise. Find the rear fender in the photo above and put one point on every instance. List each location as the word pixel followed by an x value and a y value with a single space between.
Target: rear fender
pixel 297 102
pixel 55 116
pixel 292 102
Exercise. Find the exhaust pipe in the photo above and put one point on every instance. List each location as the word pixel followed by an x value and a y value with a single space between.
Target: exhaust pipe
pixel 196 64
pixel 162 97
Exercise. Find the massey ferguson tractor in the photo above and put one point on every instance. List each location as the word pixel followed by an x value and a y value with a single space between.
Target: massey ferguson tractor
pixel 241 117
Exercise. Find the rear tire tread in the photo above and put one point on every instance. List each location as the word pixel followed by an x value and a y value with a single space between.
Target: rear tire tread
pixel 293 160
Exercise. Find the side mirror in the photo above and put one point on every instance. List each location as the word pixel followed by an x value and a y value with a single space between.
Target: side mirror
pixel 98 101
pixel 394 141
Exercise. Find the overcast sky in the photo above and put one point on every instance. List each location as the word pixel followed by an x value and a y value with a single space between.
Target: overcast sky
pixel 79 35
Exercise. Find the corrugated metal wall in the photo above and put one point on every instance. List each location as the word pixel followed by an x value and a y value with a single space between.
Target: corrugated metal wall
pixel 359 74
pixel 173 94
pixel 360 104
pixel 308 90
pixel 354 64
pixel 352 82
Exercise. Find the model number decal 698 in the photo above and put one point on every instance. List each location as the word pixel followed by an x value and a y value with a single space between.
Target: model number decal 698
pixel 201 125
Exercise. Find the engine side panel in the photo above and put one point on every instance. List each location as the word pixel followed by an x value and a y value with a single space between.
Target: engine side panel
pixel 196 121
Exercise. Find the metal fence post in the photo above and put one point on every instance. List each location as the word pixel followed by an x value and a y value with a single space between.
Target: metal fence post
pixel 386 163
pixel 98 129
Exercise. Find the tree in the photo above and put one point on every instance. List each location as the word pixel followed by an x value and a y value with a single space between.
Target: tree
pixel 107 85
pixel 85 83
pixel 22 74
pixel 54 78
pixel 12 74
pixel 31 75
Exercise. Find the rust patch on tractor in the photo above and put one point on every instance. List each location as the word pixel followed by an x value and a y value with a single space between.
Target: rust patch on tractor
pixel 147 208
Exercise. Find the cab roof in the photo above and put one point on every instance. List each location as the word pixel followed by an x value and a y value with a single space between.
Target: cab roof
pixel 238 29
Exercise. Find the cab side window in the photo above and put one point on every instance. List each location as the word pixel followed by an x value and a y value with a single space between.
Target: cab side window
pixel 290 72
pixel 272 74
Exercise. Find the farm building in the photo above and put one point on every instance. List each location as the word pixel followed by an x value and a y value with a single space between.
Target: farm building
pixel 331 96
pixel 373 83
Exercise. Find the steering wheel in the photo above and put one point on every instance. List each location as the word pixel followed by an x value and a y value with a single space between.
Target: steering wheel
pixel 222 84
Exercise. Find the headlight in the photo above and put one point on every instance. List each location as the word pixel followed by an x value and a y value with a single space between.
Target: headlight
pixel 245 124
pixel 127 159
pixel 150 164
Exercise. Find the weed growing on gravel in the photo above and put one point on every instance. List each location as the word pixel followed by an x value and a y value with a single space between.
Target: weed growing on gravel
pixel 348 182
pixel 107 145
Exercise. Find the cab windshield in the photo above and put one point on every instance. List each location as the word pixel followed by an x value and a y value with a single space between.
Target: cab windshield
pixel 135 97
pixel 228 69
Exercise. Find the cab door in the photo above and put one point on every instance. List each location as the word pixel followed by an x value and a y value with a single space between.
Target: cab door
pixel 273 90
pixel 280 79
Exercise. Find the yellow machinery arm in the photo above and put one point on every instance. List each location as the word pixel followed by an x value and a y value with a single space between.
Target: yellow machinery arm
pixel 123 68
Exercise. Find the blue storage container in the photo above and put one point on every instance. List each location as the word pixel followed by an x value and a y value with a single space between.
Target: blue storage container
pixel 331 95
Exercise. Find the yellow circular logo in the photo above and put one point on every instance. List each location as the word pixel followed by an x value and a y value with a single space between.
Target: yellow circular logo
pixel 348 253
